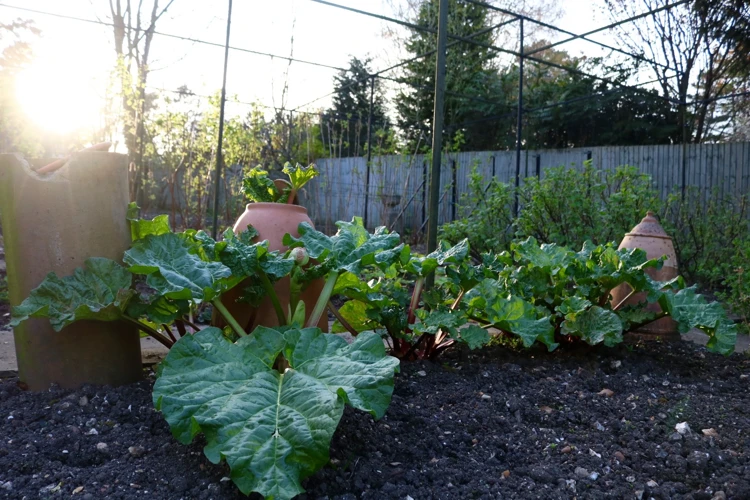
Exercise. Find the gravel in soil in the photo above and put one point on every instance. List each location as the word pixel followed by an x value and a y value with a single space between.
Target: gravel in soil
pixel 576 423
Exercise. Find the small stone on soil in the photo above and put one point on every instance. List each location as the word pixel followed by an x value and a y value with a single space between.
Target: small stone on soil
pixel 652 484
pixel 78 490
pixel 565 449
pixel 422 373
pixel 7 485
pixel 102 447
pixel 710 432
pixel 606 393
pixel 675 436
pixel 682 428
pixel 581 472
pixel 486 397
pixel 719 495
pixel 83 401
pixel 620 456
pixel 136 451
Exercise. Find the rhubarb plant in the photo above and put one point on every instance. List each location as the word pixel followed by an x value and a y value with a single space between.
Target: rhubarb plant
pixel 418 324
pixel 259 187
pixel 551 294
pixel 268 401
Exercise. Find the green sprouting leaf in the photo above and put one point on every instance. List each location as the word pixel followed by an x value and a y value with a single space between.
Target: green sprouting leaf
pixel 258 187
pixel 174 269
pixel 351 249
pixel 299 175
pixel 98 291
pixel 355 313
pixel 140 228
pixel 594 326
pixel 529 330
pixel 474 336
pixel 274 429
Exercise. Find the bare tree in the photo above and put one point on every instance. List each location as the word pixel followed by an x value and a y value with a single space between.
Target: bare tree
pixel 693 66
pixel 134 28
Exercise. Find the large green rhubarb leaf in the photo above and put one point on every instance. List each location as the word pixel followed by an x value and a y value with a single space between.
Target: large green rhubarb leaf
pixel 175 270
pixel 594 325
pixel 274 429
pixel 99 291
pixel 691 310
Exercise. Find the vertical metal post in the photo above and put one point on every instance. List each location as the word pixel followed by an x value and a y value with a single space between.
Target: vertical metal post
pixel 538 166
pixel 219 154
pixel 589 155
pixel 437 132
pixel 454 189
pixel 424 192
pixel 493 166
pixel 519 124
pixel 683 121
pixel 369 149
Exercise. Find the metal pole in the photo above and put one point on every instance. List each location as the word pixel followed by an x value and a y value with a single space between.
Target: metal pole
pixel 219 155
pixel 683 120
pixel 454 190
pixel 369 149
pixel 538 166
pixel 437 132
pixel 519 125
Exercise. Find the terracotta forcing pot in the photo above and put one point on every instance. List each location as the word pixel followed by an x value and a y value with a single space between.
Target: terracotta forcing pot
pixel 272 221
pixel 648 235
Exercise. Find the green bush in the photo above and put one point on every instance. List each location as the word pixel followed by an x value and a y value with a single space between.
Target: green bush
pixel 737 283
pixel 569 207
pixel 486 216
pixel 707 231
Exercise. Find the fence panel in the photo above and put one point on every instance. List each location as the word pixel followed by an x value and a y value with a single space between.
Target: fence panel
pixel 399 193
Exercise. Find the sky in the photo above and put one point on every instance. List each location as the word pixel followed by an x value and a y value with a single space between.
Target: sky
pixel 65 85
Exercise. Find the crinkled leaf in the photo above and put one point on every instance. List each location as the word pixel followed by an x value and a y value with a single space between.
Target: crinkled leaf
pixel 174 269
pixel 691 310
pixel 474 336
pixel 594 326
pixel 258 187
pixel 547 256
pixel 351 249
pixel 573 304
pixel 299 175
pixel 273 429
pixel 98 291
pixel 355 313
pixel 140 228
pixel 158 309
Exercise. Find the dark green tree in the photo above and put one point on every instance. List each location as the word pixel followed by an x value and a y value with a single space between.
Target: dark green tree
pixel 470 70
pixel 345 124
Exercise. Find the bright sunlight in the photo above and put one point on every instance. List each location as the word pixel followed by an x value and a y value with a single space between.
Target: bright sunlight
pixel 58 96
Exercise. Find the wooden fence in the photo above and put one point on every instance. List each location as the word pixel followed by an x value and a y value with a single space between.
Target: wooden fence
pixel 399 184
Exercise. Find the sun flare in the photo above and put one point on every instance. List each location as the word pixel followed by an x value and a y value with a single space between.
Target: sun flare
pixel 59 97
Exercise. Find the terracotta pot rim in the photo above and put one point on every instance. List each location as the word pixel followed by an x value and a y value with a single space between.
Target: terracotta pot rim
pixel 278 206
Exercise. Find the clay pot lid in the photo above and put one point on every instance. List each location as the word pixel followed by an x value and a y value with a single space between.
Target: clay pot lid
pixel 649 227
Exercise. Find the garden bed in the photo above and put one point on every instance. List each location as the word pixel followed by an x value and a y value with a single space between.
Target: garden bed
pixel 496 423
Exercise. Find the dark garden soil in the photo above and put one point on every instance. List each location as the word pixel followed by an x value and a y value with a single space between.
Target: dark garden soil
pixel 499 424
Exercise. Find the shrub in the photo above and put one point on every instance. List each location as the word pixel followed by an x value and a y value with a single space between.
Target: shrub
pixel 486 216
pixel 569 207
pixel 707 230
pixel 737 283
